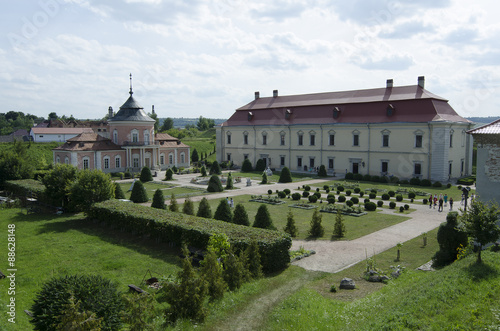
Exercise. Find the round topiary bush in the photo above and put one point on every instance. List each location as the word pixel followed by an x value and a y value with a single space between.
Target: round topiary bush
pixel 296 196
pixel 331 199
pixel 425 201
pixel 317 189
pixel 348 192
pixel 357 190
pixel 391 193
pixel 366 200
pixel 399 197
pixel 93 294
pixel 425 182
pixel 139 193
pixel 361 194
pixel 307 188
pixel 358 177
pixel 305 194
pixel 448 185
pixel 341 198
pixel 327 190
pixel 246 166
pixel 392 205
pixel 349 175
pixel 285 176
pixel 281 195
pixel 340 188
pixel 437 184
pixel 146 175
pixel 269 192
pixel 318 195
pixel 313 198
pixel 411 195
pixel 349 203
pixel 407 207
pixel 287 191
pixel 380 203
pixel 214 184
pixel 385 196
pixel 401 209
pixel 326 187
pixel 355 200
pixel 370 206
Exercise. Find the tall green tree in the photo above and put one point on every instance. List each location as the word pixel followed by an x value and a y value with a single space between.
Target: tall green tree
pixel 173 206
pixel 214 184
pixel 14 163
pixel 449 238
pixel 146 175
pixel 204 124
pixel 229 182
pixel 285 176
pixel 215 168
pixel 119 192
pixel 169 174
pixel 480 223
pixel 290 226
pixel 158 200
pixel 91 185
pixel 339 227
pixel 254 264
pixel 194 156
pixel 234 270
pixel 317 230
pixel 139 193
pixel 240 215
pixel 263 219
pixel 223 212
pixel 58 182
pixel 168 124
pixel 213 274
pixel 188 207
pixel 204 209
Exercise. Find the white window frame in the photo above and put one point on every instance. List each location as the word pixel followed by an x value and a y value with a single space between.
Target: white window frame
pixel 85 162
pixel 118 161
pixel 106 162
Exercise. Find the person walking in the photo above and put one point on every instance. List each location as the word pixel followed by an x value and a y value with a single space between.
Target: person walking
pixel 441 201
pixel 451 204
pixel 435 200
pixel 445 199
pixel 430 201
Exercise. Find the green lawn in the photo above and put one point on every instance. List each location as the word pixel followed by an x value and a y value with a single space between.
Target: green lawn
pixel 49 246
pixel 355 226
pixel 168 189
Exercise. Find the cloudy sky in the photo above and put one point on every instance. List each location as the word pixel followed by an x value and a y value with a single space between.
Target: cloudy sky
pixel 208 57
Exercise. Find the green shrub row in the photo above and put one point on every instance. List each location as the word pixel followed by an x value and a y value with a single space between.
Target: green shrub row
pixel 195 231
pixel 27 187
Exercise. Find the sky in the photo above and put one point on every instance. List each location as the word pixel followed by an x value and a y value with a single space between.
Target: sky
pixel 208 57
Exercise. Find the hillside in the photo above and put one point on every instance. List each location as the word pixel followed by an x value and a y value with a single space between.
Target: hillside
pixel 181 122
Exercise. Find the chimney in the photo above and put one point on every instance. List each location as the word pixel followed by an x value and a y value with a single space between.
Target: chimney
pixel 275 93
pixel 152 109
pixel 110 112
pixel 257 95
pixel 390 83
pixel 421 81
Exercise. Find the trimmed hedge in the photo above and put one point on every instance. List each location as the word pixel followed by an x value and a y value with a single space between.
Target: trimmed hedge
pixel 194 231
pixel 22 187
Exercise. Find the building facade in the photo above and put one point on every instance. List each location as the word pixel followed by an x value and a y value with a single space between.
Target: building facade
pixel 395 131
pixel 131 146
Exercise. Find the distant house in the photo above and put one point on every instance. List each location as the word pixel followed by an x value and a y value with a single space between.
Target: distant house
pixel 488 161
pixel 41 134
pixel 404 131
pixel 132 144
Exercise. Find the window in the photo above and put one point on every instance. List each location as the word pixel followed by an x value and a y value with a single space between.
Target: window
pixel 245 138
pixel 135 136
pixel 418 141
pixel 355 140
pixel 463 138
pixel 85 163
pixel 58 159
pixel 417 169
pixel 450 167
pixel 183 158
pixel 282 161
pixel 229 156
pixel 282 141
pixel 264 139
pixel 462 167
pixel 135 162
pixel 162 158
pixel 385 140
pixel 331 141
pixel 312 139
pixel 146 138
pixel 115 136
pixel 451 139
pixel 330 163
pixel 106 162
pixel 170 158
pixel 229 139
pixel 311 162
pixel 385 167
pixel 66 160
pixel 118 161
pixel 299 161
pixel 301 139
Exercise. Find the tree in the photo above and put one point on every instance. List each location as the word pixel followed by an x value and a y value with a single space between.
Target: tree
pixel 169 174
pixel 212 271
pixel 264 178
pixel 146 175
pixel 261 165
pixel 234 270
pixel 223 212
pixel 186 296
pixel 240 215
pixel 91 185
pixel 215 169
pixel 203 171
pixel 214 184
pixel 204 209
pixel 449 238
pixel 479 222
pixel 53 116
pixel 158 200
pixel 229 182
pixel 253 262
pixel 290 227
pixel 322 171
pixel 173 206
pixel 204 124
pixel 168 124
pixel 157 121
pixel 119 192
pixel 339 227
pixel 139 193
pixel 246 166
pixel 93 294
pixel 188 207
pixel 285 176
pixel 194 156
pixel 263 219
pixel 14 164
pixel 317 229
pixel 58 182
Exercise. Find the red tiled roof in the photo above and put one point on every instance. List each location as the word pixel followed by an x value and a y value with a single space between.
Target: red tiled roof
pixel 491 128
pixel 164 136
pixel 410 103
pixel 172 144
pixel 88 141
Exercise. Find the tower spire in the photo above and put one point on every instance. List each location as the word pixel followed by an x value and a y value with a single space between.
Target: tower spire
pixel 131 85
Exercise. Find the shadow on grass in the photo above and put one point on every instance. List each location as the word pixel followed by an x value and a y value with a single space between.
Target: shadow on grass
pixel 145 246
pixel 21 216
pixel 481 271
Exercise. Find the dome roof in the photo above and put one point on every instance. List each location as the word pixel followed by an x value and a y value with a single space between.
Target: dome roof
pixel 131 110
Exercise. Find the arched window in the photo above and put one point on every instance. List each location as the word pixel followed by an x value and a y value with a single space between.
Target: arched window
pixel 183 157
pixel 170 158
pixel 134 135
pixel 146 137
pixel 106 162
pixel 115 136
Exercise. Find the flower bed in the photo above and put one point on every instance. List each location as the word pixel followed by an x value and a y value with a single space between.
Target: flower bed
pixel 302 206
pixel 345 210
pixel 269 200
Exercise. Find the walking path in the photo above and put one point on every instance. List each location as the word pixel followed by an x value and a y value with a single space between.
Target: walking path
pixel 333 256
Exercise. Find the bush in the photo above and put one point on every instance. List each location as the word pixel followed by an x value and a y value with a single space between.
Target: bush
pixel 215 169
pixel 127 174
pixel 391 193
pixel 358 177
pixel 425 201
pixel 158 200
pixel 425 182
pixel 340 188
pixel 349 203
pixel 240 215
pixel 448 185
pixel 355 200
pixel 93 294
pixel 91 186
pixel 367 178
pixel 366 200
pixel 394 179
pixel 317 194
pixel 263 219
pixel 407 207
pixel 339 227
pixel 371 206
pixel 229 182
pixel 169 174
pixel 401 209
pixel 204 209
pixel 361 194
pixel 437 184
pixel 223 212
pixel 285 176
pixel 173 206
pixel 139 193
pixel 326 187
pixel 296 196
pixel 146 175
pixel 330 198
pixel 411 195
pixel 348 192
pixel 188 207
pixel 399 197
pixel 341 198
pixel 316 230
pixel 119 192
pixel 307 188
pixel 214 184
pixel 246 166
pixel 313 198
pixel 372 195
pixel 264 178
pixel 322 171
pixel 392 205
pixel 349 175
pixel 317 189
pixel 404 182
pixel 269 192
pixel 376 179
pixel 385 196
pixel 281 195
pixel 415 181
pixel 466 180
pixel 380 203
pixel 287 191
pixel 203 171
pixel 450 238
pixel 260 166
pixel 357 190
pixel 305 194
pixel 290 227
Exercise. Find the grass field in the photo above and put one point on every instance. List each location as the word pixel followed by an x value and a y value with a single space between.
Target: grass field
pixel 168 189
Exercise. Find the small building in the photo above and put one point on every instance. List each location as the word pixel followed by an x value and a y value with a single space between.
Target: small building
pixel 487 138
pixel 41 134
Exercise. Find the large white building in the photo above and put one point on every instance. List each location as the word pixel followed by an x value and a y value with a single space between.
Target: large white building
pixel 403 131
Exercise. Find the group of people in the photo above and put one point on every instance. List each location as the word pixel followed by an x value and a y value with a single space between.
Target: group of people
pixel 440 201
pixel 230 202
